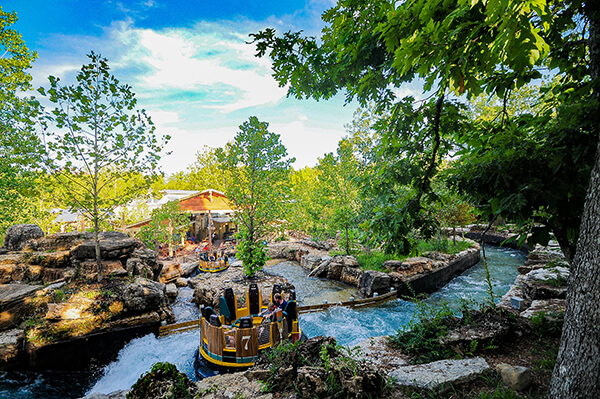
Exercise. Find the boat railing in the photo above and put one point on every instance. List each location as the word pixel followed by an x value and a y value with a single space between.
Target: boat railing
pixel 225 337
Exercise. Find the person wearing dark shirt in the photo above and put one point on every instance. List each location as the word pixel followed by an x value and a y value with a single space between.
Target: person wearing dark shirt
pixel 279 301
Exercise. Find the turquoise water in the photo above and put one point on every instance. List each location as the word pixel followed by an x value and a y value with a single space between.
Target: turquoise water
pixel 348 326
pixel 351 326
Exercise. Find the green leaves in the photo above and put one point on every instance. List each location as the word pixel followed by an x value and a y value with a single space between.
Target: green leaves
pixel 256 169
pixel 166 224
pixel 20 147
pixel 95 139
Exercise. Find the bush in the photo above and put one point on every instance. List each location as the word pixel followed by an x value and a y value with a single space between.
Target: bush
pixel 163 381
pixel 422 338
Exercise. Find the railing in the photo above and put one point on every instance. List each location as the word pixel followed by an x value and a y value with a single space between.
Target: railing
pixel 178 327
pixel 359 303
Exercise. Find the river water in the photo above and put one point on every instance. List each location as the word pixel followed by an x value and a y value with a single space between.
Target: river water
pixel 348 326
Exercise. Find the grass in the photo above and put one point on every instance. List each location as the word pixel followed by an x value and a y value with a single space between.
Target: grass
pixel 444 245
pixel 373 260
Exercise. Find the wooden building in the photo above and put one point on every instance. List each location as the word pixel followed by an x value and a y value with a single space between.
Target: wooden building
pixel 206 207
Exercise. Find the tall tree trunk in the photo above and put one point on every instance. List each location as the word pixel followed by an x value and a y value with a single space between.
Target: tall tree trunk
pixel 171 240
pixel 97 246
pixel 347 240
pixel 577 371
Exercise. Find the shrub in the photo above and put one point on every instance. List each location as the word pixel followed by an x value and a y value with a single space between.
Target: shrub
pixel 164 381
pixel 422 338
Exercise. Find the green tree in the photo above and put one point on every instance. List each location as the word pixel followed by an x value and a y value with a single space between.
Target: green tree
pixel 305 208
pixel 167 224
pixel 470 47
pixel 331 196
pixel 258 169
pixel 19 144
pixel 96 136
pixel 339 191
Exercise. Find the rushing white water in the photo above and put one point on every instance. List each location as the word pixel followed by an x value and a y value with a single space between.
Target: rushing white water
pixel 349 326
pixel 138 356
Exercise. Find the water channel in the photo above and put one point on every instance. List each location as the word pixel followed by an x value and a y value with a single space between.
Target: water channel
pixel 349 326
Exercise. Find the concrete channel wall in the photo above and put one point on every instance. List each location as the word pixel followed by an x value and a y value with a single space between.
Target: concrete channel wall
pixel 430 282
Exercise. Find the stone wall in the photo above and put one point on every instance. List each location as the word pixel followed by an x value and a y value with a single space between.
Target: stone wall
pixel 495 238
pixel 425 274
pixel 434 279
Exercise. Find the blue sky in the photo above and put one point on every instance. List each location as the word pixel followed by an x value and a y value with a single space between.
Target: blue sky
pixel 189 65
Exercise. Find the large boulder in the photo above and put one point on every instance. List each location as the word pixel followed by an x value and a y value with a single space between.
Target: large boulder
pixel 322 269
pixel 233 385
pixel 144 295
pixel 320 245
pixel 163 381
pixel 546 283
pixel 10 343
pixel 314 367
pixel 516 377
pixel 440 374
pixel 343 268
pixel 136 267
pixel 20 234
pixel 60 241
pixel 89 269
pixel 548 307
pixel 58 259
pixel 120 394
pixel 16 303
pixel 373 281
pixel 208 287
pixel 170 272
pixel 351 275
pixel 412 266
pixel 113 245
pixel 484 328
pixel 311 261
pixel 149 258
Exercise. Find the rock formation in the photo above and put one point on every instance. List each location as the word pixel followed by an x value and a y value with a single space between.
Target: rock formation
pixel 541 285
pixel 73 304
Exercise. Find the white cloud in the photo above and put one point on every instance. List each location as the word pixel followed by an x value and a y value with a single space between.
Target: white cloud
pixel 184 145
pixel 164 119
pixel 306 143
pixel 201 60
pixel 199 83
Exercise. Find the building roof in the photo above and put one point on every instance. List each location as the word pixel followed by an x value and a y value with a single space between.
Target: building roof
pixel 207 200
pixel 197 202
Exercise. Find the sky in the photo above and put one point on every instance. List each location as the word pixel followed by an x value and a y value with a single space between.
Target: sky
pixel 190 66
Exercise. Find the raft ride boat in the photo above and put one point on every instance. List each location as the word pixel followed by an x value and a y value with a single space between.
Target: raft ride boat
pixel 213 266
pixel 233 339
